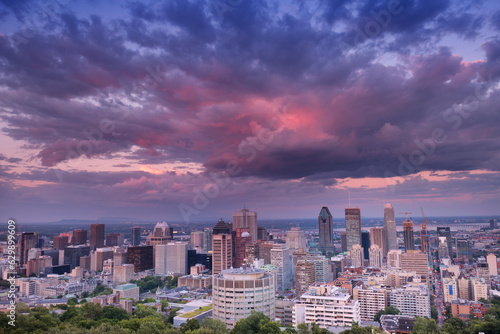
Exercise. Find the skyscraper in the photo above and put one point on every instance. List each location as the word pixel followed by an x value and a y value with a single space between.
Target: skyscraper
pixel 446 232
pixel 171 258
pixel 425 241
pixel 162 234
pixel 325 225
pixel 378 237
pixel 114 239
pixel 409 238
pixel 79 237
pixel 141 257
pixel 222 251
pixel 197 240
pixel 136 236
pixel 357 256
pixel 242 238
pixel 28 241
pixel 390 227
pixel 97 235
pixel 60 241
pixel 365 243
pixel 353 227
pixel 280 259
pixel 464 248
pixel 296 239
pixel 376 256
pixel 221 228
pixel 246 218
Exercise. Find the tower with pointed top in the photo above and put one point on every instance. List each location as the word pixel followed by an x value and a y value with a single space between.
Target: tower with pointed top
pixel 325 226
pixel 390 227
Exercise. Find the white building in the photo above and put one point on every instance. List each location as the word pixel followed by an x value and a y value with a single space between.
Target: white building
pixel 357 256
pixel 491 259
pixel 376 256
pixel 450 289
pixel 296 239
pixel 171 258
pixel 394 258
pixel 479 289
pixel 239 292
pixel 280 258
pixel 371 300
pixel 412 300
pixel 327 306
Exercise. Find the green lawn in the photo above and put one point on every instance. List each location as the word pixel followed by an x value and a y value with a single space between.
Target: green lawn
pixel 196 312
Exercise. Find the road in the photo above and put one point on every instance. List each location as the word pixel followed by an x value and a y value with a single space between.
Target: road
pixel 438 299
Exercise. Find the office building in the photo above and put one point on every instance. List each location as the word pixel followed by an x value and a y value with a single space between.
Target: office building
pixel 141 257
pixel 325 226
pixel 493 224
pixel 327 306
pixel 222 252
pixel 280 259
pixel 357 256
pixel 221 228
pixel 79 237
pixel 60 241
pixel 115 239
pixel 411 300
pixel 162 234
pixel 207 241
pixel 343 242
pixel 353 227
pixel 246 218
pixel 464 286
pixel 464 248
pixel 409 238
pixel 136 236
pixel 296 239
pixel 322 271
pixel 284 311
pixel 97 235
pixel 375 256
pixel 72 255
pixel 255 285
pixel 196 281
pixel 443 249
pixel 28 241
pixel 85 262
pixel 197 240
pixel 390 227
pixel 378 237
pixel 98 257
pixel 479 289
pixel 263 234
pixel 365 243
pixel 425 242
pixel 371 300
pixel 242 238
pixel 123 273
pixel 446 232
pixel 171 258
pixel 127 291
pixel 416 261
pixel 450 289
pixel 483 272
pixel 304 275
pixel 491 259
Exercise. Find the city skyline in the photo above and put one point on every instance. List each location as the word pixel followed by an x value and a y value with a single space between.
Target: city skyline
pixel 181 111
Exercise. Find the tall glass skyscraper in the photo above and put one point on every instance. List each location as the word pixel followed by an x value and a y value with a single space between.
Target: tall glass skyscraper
pixel 325 226
pixel 409 238
pixel 353 227
pixel 390 227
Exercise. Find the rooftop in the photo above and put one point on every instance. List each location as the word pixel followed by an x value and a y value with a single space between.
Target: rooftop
pixel 126 286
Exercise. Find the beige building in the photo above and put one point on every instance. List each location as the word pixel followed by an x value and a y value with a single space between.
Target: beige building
pixel 304 275
pixel 196 281
pixel 123 274
pixel 479 289
pixel 246 218
pixel 296 239
pixel 126 291
pixel 394 258
pixel 239 292
pixel 357 256
pixel 378 237
pixel 418 262
pixel 491 259
pixel 376 256
pixel 371 300
pixel 222 252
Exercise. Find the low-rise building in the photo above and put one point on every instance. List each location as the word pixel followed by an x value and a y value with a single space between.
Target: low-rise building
pixel 127 291
pixel 195 281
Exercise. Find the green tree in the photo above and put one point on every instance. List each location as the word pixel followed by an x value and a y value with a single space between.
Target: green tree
pixel 303 329
pixel 250 324
pixel 434 313
pixel 190 325
pixel 387 310
pixel 91 311
pixel 453 326
pixel 214 324
pixel 425 326
pixel 70 313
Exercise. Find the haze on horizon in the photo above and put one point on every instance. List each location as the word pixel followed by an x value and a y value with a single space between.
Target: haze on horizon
pixel 182 110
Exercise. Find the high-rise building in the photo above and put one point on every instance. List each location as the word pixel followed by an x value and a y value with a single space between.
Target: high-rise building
pixel 325 226
pixel 97 235
pixel 353 227
pixel 222 252
pixel 262 234
pixel 390 227
pixel 446 232
pixel 322 270
pixel 450 289
pixel 483 272
pixel 141 257
pixel 491 259
pixel 255 285
pixel 371 300
pixel 136 236
pixel 246 218
pixel 375 256
pixel 357 256
pixel 443 248
pixel 98 257
pixel 409 238
pixel 479 289
pixel 61 241
pixel 493 224
pixel 394 258
pixel 265 251
pixel 296 239
pixel 378 237
pixel 28 240
pixel 72 255
pixel 79 237
pixel 425 241
pixel 221 228
pixel 197 240
pixel 115 239
pixel 242 238
pixel 304 275
pixel 464 287
pixel 327 306
pixel 416 261
pixel 365 243
pixel 412 300
pixel 171 258
pixel 464 248
pixel 123 273
pixel 280 259
pixel 343 242
pixel 207 241
pixel 162 234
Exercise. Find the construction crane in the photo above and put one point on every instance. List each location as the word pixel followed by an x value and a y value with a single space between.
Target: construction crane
pixel 405 213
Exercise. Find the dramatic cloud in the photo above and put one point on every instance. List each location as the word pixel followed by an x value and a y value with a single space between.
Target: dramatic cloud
pixel 140 105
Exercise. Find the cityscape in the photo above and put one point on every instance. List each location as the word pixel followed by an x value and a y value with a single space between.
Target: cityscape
pixel 250 166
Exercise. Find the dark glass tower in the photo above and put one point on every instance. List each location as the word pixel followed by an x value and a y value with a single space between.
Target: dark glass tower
pixel 325 226
pixel 408 235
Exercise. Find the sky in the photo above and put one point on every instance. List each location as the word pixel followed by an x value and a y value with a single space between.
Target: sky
pixel 190 110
